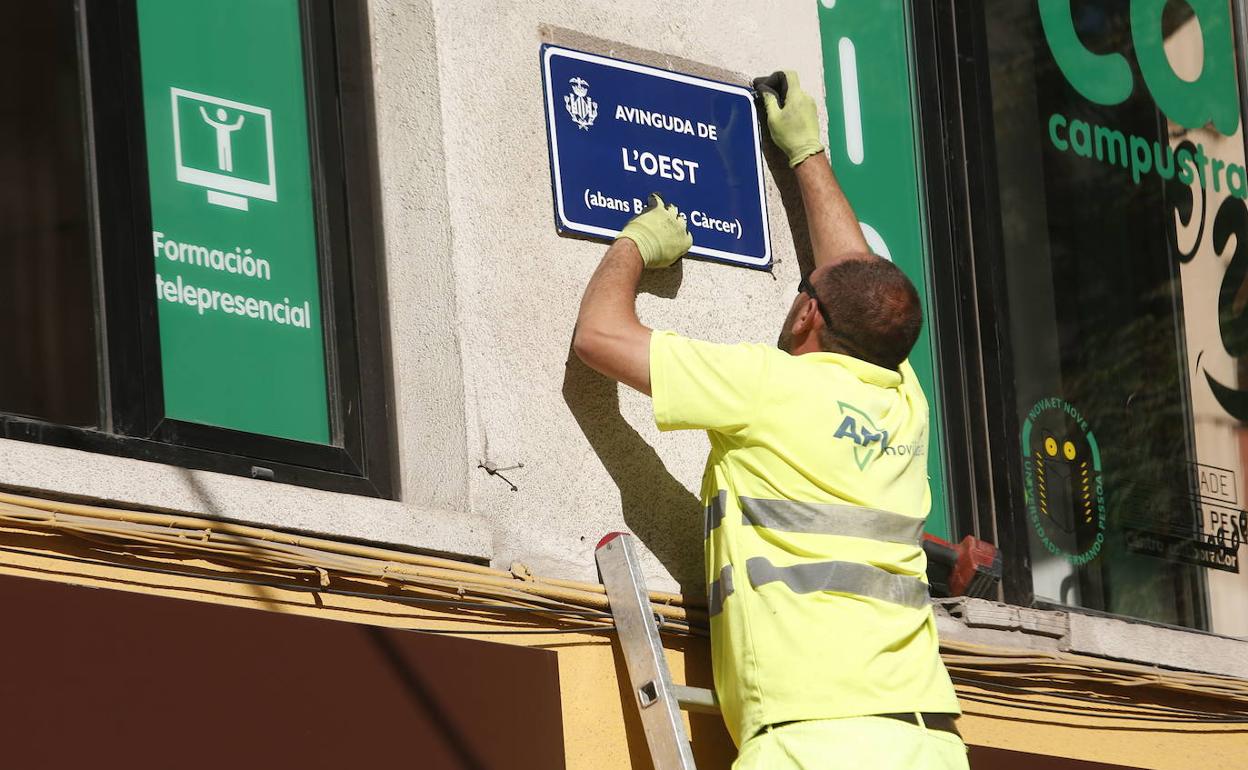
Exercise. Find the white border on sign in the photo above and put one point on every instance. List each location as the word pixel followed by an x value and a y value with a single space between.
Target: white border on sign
pixel 680 78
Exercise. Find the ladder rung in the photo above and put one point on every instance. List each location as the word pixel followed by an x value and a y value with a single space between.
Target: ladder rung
pixel 699 700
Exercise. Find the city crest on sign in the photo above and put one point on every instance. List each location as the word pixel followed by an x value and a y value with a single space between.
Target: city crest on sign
pixel 582 109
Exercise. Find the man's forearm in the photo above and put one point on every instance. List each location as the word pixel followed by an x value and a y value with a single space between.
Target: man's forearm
pixel 834 230
pixel 609 338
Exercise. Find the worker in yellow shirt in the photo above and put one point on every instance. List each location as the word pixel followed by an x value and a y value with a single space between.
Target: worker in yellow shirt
pixel 823 641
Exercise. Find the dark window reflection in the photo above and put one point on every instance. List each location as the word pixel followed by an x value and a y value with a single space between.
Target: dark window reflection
pixel 1097 337
pixel 48 363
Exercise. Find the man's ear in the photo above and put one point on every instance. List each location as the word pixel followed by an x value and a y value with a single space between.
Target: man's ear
pixel 806 318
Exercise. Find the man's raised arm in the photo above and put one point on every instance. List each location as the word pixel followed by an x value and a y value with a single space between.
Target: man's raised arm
pixel 794 125
pixel 609 338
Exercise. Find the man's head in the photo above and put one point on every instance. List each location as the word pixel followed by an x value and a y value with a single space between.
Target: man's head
pixel 864 307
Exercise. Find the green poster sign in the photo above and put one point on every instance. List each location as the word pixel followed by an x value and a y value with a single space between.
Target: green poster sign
pixel 872 143
pixel 233 233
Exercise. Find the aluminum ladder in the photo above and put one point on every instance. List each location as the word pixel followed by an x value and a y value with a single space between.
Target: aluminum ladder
pixel 659 700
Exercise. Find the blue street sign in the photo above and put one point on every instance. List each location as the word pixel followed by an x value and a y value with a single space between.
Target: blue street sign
pixel 619 131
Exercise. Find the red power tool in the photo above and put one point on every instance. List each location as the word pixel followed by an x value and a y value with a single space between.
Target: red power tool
pixel 970 568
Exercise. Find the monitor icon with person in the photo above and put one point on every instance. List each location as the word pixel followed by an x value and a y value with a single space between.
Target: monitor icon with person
pixel 224 146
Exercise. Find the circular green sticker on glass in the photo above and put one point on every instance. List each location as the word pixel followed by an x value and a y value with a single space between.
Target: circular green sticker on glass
pixel 1063 482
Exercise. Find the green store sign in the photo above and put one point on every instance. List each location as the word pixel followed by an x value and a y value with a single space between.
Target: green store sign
pixel 1107 79
pixel 233 232
pixel 873 145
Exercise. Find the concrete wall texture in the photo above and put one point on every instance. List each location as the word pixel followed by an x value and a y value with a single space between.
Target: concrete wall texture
pixel 482 300
pixel 593 461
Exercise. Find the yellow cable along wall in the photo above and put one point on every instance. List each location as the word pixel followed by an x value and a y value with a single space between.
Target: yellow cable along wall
pixel 468 598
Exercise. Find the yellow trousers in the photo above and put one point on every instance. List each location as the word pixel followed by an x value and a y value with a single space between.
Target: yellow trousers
pixel 852 743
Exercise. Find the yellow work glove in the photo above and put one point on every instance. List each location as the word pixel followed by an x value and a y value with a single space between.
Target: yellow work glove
pixel 660 233
pixel 791 115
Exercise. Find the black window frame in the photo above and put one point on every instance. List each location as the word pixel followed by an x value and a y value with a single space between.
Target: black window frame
pixel 972 349
pixel 337 67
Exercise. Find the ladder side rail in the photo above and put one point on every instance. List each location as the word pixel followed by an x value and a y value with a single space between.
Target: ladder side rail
pixel 643 654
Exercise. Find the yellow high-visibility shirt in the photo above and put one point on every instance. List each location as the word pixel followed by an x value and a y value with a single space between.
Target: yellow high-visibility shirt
pixel 816 493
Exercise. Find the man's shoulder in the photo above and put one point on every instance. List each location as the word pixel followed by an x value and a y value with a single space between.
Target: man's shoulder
pixel 677 343
pixel 677 338
pixel 708 385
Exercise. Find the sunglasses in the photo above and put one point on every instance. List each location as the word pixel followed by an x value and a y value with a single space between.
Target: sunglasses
pixel 807 288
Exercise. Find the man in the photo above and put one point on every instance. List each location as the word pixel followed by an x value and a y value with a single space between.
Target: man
pixel 823 640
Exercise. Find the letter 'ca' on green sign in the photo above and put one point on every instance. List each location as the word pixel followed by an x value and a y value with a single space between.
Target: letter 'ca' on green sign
pixel 1107 79
pixel 233 233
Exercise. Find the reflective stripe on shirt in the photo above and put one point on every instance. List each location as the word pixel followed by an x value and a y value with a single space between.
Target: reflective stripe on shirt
pixel 831 519
pixel 715 512
pixel 720 589
pixel 842 577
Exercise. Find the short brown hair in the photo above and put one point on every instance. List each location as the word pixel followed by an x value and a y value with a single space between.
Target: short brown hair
pixel 873 309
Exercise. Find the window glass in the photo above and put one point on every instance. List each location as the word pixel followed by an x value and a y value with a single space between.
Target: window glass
pixel 48 364
pixel 214 305
pixel 1119 167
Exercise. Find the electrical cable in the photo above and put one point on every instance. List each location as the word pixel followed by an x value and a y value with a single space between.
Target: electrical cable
pixel 132 540
pixel 270 547
pixel 1196 716
pixel 1030 706
pixel 487 632
pixel 663 626
pixel 33 506
pixel 310 589
pixel 981 659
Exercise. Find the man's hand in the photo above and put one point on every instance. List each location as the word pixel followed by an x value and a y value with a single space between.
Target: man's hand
pixel 791 115
pixel 660 232
pixel 794 123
